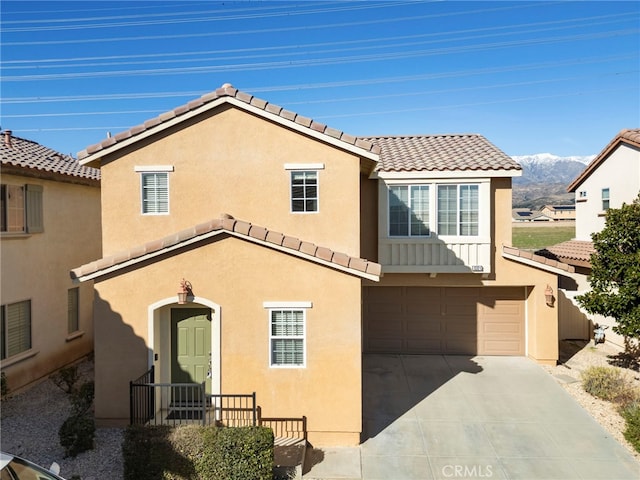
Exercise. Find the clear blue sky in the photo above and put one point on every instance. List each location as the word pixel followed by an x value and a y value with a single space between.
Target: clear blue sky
pixel 533 77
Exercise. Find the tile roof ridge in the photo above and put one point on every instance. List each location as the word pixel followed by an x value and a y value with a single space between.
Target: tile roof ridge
pixel 228 90
pixel 228 223
pixel 426 135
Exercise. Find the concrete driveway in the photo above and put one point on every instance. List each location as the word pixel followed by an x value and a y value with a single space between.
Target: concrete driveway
pixel 456 417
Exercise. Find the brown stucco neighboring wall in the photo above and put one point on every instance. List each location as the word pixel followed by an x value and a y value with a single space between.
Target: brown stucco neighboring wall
pixel 239 276
pixel 36 267
pixel 218 167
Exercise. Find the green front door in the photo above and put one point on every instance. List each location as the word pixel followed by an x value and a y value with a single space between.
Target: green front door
pixel 191 346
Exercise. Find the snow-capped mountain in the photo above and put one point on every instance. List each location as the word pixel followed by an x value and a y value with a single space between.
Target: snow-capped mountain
pixel 545 178
pixel 549 168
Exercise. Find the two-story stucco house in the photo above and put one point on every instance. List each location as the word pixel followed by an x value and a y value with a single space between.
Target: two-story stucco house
pixel 302 248
pixel 50 222
pixel 600 186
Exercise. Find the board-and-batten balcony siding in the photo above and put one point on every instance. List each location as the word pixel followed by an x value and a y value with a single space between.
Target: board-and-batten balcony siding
pixel 434 256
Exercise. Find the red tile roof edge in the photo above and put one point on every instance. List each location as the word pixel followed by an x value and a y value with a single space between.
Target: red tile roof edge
pixel 237 228
pixel 630 136
pixel 539 259
pixel 229 91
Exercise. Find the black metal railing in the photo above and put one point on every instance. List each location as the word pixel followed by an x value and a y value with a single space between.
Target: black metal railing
pixel 142 398
pixel 287 431
pixel 178 403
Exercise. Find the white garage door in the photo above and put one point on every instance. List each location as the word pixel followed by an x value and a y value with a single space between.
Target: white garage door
pixel 444 320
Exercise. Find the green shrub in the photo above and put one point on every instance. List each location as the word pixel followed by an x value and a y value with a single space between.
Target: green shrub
pixel 82 398
pixel 631 414
pixel 76 434
pixel 606 383
pixel 66 378
pixel 237 454
pixel 195 452
pixel 4 386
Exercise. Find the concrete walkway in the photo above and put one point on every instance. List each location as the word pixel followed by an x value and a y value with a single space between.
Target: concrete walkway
pixel 456 417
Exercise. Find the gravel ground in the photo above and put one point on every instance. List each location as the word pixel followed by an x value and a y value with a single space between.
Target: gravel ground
pixel 575 357
pixel 31 419
pixel 30 423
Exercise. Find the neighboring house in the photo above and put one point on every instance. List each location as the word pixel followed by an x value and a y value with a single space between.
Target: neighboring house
pixel 611 179
pixel 303 247
pixel 599 187
pixel 559 212
pixel 50 222
pixel 528 215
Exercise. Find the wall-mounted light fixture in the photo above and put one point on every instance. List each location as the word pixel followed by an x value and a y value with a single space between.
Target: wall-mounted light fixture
pixel 184 292
pixel 548 296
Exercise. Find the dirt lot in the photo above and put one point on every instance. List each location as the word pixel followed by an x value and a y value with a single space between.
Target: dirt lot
pixel 575 357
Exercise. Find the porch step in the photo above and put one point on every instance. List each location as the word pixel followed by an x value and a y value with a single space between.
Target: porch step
pixel 288 457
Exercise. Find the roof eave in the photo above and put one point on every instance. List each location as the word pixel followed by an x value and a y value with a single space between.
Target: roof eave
pixel 413 174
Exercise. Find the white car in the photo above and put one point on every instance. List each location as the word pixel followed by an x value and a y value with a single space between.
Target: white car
pixel 16 468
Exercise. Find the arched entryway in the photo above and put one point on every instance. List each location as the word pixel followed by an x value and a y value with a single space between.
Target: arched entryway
pixel 184 342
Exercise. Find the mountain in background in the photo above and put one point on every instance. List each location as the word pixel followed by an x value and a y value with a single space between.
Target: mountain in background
pixel 545 178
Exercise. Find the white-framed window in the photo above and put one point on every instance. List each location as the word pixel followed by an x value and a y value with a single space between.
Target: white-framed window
pixel 73 310
pixel 287 334
pixel 409 211
pixel 458 209
pixel 304 191
pixel 155 193
pixel 582 194
pixel 605 199
pixel 21 209
pixel 15 329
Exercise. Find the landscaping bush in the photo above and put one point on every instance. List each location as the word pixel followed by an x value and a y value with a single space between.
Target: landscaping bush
pixel 237 454
pixel 76 434
pixel 4 386
pixel 66 378
pixel 194 452
pixel 606 383
pixel 631 414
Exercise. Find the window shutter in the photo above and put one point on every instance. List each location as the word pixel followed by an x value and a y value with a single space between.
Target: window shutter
pixel 18 327
pixel 35 217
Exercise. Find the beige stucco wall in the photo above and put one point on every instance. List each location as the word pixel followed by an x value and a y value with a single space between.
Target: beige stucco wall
pixel 232 162
pixel 37 266
pixel 239 276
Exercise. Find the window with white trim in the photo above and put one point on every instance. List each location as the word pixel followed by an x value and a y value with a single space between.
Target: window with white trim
pixel 73 310
pixel 21 209
pixel 15 331
pixel 409 211
pixel 304 191
pixel 155 193
pixel 458 210
pixel 605 199
pixel 287 337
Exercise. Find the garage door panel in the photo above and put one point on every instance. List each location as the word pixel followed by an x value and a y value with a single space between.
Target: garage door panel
pixel 445 320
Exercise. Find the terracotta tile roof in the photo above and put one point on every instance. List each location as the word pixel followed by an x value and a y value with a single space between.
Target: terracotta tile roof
pixel 440 153
pixel 573 252
pixel 534 258
pixel 238 228
pixel 228 91
pixel 629 136
pixel 29 155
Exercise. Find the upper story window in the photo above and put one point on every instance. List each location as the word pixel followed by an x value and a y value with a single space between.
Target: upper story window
pixel 304 191
pixel 458 210
pixel 21 209
pixel 15 328
pixel 582 194
pixel 605 199
pixel 304 181
pixel 409 210
pixel 154 186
